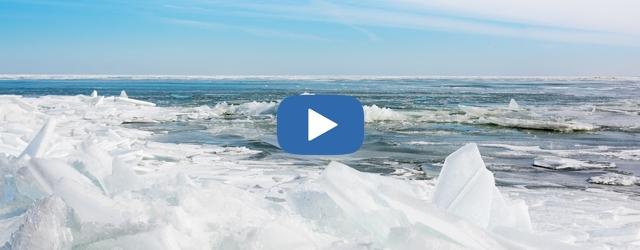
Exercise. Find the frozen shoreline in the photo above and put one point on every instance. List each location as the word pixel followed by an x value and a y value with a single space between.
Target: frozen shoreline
pixel 118 188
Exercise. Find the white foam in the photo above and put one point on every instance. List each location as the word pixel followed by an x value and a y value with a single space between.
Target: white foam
pixel 615 179
pixel 374 113
pixel 224 109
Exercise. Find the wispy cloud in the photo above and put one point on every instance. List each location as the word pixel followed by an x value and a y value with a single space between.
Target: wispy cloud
pixel 576 21
pixel 257 31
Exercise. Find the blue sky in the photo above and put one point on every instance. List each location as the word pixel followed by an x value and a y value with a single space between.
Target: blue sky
pixel 320 37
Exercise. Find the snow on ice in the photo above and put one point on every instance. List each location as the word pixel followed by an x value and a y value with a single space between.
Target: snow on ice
pixel 73 177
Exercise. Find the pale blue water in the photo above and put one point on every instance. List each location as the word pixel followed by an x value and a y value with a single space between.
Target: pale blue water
pixel 414 147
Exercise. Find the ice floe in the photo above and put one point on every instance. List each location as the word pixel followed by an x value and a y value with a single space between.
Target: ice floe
pixel 558 163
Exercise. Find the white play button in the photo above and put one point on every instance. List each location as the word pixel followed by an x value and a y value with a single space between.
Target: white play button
pixel 318 124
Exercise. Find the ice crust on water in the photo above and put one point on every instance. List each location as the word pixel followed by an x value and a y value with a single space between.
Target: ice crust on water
pixel 94 184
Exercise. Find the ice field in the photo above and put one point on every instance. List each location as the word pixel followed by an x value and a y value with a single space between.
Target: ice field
pixel 107 170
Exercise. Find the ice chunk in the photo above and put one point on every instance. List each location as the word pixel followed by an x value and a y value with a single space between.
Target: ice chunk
pixel 163 238
pixel 559 163
pixel 38 145
pixel 513 105
pixel 8 189
pixel 45 227
pixel 465 187
pixel 48 172
pixel 89 204
pixel 78 191
pixel 134 101
pixel 25 106
pixel 96 159
pixel 369 206
pixel 99 100
pixel 94 94
pixel 122 178
pixel 507 213
pixel 614 179
pixel 125 98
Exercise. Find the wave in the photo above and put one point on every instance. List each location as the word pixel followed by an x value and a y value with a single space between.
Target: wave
pixel 613 116
pixel 619 116
pixel 374 113
pixel 225 109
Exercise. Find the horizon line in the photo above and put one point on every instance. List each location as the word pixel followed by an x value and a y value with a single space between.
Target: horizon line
pixel 292 77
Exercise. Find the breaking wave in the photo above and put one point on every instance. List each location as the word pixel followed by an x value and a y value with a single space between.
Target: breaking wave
pixel 374 113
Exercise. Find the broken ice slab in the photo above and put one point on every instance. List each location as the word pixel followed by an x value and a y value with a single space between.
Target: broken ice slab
pixel 467 189
pixel 559 163
pixel 38 145
pixel 45 227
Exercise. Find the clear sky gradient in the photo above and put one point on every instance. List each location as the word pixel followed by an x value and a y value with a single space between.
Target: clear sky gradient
pixel 323 37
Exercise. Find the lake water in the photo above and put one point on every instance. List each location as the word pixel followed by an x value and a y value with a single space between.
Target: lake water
pixel 583 127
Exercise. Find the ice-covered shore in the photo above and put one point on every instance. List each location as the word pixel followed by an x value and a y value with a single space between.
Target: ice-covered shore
pixel 72 176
